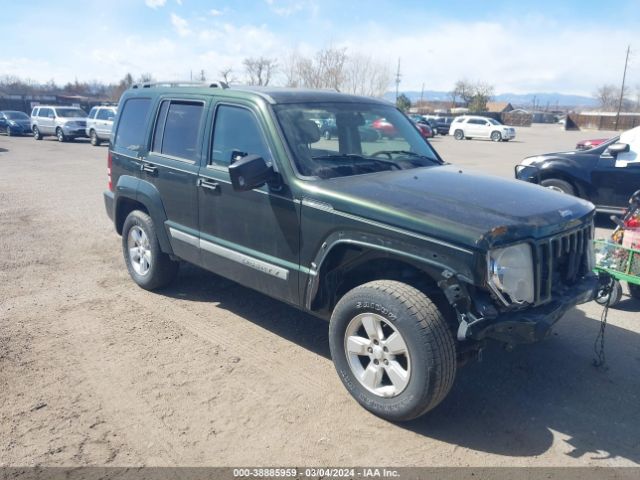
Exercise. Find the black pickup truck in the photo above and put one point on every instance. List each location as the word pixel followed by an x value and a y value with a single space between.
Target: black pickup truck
pixel 415 262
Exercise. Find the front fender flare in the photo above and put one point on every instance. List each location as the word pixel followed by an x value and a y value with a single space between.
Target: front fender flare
pixel 439 262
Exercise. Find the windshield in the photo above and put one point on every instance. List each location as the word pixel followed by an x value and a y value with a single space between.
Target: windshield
pixel 16 115
pixel 340 139
pixel 70 112
pixel 494 122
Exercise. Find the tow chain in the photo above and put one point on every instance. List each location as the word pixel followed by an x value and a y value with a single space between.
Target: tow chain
pixel 598 344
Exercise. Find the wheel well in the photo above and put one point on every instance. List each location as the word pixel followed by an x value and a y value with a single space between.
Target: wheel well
pixel 124 208
pixel 348 266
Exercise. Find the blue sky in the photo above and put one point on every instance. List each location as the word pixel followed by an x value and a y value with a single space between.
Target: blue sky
pixel 518 46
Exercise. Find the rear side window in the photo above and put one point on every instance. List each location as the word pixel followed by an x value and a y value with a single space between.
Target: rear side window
pixel 92 113
pixel 34 112
pixel 132 124
pixel 44 112
pixel 236 131
pixel 105 114
pixel 178 129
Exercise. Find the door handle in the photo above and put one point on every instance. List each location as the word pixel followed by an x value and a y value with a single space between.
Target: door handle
pixel 149 168
pixel 208 184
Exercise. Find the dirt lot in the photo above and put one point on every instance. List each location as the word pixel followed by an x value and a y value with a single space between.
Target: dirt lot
pixel 94 370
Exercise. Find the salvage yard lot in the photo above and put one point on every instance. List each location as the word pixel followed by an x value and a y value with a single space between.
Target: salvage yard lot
pixel 94 370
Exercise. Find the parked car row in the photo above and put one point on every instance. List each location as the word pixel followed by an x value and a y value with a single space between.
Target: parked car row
pixel 64 122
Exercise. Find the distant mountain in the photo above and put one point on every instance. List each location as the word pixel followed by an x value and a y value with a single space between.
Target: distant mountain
pixel 524 100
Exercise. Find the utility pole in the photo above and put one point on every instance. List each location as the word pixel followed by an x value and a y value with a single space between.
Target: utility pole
pixel 422 96
pixel 398 79
pixel 624 77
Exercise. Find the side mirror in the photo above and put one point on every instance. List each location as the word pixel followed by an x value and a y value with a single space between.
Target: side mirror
pixel 249 172
pixel 617 148
pixel 634 201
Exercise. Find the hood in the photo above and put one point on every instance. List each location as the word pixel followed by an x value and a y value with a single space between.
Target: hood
pixel 470 209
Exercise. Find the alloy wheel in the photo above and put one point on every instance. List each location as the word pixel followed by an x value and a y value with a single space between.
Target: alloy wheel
pixel 139 250
pixel 377 355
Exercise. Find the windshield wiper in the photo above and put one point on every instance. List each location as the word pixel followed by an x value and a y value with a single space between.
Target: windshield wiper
pixel 354 156
pixel 407 153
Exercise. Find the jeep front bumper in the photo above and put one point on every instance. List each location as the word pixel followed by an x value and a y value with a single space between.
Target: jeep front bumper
pixel 533 324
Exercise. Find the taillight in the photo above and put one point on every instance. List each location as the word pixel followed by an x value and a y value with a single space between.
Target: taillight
pixel 109 184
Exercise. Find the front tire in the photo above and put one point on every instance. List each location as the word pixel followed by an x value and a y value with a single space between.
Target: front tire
pixel 36 133
pixel 93 136
pixel 60 135
pixel 496 136
pixel 458 135
pixel 393 349
pixel 614 296
pixel 558 185
pixel 148 265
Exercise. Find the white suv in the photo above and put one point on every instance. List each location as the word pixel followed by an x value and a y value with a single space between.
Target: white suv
pixel 468 126
pixel 100 123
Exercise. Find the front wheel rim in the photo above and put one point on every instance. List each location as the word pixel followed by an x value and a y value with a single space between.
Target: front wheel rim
pixel 139 250
pixel 556 189
pixel 377 355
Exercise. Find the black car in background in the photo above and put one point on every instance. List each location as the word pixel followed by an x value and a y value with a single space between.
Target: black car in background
pixel 13 122
pixel 606 175
pixel 441 124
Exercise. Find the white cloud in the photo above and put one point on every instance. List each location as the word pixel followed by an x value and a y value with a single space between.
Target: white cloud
pixel 532 55
pixel 286 8
pixel 180 25
pixel 179 2
pixel 215 13
pixel 155 3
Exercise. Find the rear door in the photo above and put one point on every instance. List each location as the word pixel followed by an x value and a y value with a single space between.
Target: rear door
pixel 91 120
pixel 103 122
pixel 172 165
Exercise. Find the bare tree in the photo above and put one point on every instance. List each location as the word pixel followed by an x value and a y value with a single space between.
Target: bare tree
pixel 464 90
pixel 363 75
pixel 482 94
pixel 333 68
pixel 260 70
pixel 607 96
pixel 226 75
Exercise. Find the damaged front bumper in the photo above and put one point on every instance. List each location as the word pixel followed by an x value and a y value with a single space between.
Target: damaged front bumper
pixel 533 324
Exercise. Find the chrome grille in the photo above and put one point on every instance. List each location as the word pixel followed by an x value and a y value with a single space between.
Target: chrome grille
pixel 561 260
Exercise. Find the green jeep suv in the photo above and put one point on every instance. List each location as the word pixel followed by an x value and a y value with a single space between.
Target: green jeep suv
pixel 414 262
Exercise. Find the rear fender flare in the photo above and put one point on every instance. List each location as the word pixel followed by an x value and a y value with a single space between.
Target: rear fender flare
pixel 143 192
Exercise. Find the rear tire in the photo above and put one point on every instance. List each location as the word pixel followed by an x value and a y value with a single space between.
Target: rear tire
pixel 36 133
pixel 406 345
pixel 8 131
pixel 93 136
pixel 634 291
pixel 148 265
pixel 558 185
pixel 458 135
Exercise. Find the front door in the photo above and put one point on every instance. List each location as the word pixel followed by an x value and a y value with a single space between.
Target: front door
pixel 616 179
pixel 250 237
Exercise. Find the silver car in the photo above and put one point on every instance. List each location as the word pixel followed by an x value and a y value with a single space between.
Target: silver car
pixel 66 123
pixel 100 123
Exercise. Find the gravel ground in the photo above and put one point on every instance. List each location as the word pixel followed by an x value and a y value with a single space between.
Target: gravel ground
pixel 95 371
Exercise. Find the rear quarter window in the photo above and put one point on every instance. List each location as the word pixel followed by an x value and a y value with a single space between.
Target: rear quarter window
pixel 131 129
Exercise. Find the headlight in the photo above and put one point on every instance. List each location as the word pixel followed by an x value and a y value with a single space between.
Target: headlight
pixel 510 273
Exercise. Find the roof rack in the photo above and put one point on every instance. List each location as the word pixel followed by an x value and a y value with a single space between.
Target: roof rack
pixel 218 84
